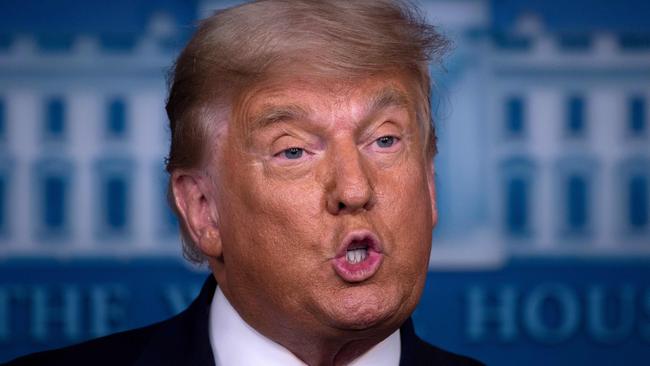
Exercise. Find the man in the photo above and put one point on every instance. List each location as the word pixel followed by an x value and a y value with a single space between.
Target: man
pixel 301 171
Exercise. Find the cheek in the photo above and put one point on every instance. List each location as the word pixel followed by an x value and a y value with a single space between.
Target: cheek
pixel 407 211
pixel 274 219
pixel 277 247
pixel 286 209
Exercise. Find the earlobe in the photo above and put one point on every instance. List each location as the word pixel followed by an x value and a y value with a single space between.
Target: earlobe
pixel 210 243
pixel 198 215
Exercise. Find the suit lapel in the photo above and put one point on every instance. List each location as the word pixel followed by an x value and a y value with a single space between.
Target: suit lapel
pixel 184 339
pixel 412 346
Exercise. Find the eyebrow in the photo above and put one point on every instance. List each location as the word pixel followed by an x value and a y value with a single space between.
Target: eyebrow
pixel 273 114
pixel 385 98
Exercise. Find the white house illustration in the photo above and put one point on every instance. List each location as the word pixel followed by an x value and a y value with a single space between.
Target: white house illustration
pixel 544 140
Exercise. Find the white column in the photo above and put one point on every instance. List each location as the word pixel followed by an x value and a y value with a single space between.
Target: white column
pixel 86 113
pixel 465 153
pixel 544 118
pixel 24 114
pixel 493 118
pixel 607 118
pixel 145 116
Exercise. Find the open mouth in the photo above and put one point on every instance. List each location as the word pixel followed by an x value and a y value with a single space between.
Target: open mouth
pixel 359 256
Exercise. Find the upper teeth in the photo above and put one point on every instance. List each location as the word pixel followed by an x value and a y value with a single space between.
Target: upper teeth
pixel 356 255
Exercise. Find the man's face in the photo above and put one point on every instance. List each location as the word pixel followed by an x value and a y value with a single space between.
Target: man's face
pixel 325 203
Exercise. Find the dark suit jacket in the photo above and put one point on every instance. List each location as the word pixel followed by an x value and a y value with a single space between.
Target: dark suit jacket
pixel 184 340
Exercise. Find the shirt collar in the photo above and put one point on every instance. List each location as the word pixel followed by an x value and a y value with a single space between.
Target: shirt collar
pixel 235 343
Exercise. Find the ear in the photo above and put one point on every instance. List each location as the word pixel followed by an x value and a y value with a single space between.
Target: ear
pixel 198 213
pixel 431 182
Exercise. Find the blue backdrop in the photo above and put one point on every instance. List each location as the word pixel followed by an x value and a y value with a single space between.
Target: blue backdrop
pixel 542 252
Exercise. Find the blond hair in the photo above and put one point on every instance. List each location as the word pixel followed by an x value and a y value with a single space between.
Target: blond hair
pixel 235 49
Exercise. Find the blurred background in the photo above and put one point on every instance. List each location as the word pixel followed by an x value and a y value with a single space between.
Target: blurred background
pixel 542 253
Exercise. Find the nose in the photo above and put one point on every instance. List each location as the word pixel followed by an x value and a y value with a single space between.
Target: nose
pixel 349 187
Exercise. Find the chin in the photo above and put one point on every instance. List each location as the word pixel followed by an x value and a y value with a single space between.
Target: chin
pixel 363 309
pixel 366 321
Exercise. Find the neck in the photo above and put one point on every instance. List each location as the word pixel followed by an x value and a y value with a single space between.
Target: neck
pixel 327 348
pixel 310 341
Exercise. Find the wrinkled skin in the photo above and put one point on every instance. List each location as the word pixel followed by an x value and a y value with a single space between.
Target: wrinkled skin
pixel 281 192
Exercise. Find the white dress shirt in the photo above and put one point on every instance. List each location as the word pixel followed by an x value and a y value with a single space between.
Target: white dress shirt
pixel 235 343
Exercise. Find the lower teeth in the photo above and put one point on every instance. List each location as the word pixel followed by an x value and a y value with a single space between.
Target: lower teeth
pixel 356 255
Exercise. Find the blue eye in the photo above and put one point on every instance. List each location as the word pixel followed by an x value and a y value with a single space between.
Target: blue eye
pixel 386 141
pixel 293 153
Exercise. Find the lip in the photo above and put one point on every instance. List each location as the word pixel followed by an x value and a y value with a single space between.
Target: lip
pixel 361 271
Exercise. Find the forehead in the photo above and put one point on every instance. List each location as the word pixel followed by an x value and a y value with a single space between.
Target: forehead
pixel 303 98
